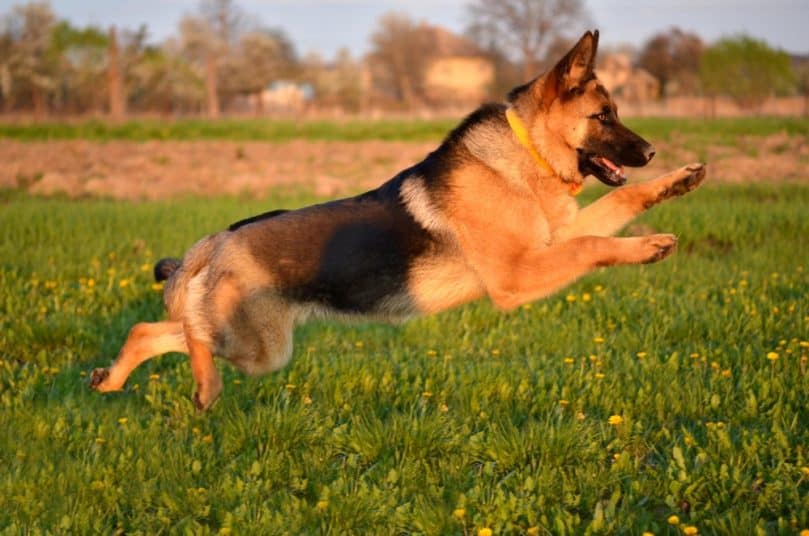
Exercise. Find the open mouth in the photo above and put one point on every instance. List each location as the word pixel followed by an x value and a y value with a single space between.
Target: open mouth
pixel 602 168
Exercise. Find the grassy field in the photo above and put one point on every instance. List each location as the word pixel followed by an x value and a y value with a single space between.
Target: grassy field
pixel 722 131
pixel 655 398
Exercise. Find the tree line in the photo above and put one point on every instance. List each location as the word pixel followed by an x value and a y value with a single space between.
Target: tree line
pixel 219 58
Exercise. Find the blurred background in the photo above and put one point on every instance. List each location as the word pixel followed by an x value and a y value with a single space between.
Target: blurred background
pixel 425 58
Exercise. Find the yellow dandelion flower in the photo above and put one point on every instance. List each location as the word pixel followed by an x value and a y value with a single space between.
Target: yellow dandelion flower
pixel 569 360
pixel 564 403
pixel 586 297
pixel 225 531
pixel 290 387
pixel 208 438
pixel 459 513
pixel 648 533
pixel 359 344
pixel 772 356
pixel 695 355
pixel 426 394
pixel 690 530
pixel 322 505
pixel 237 381
pixel 727 373
pixel 154 377
pixel 307 400
pixel 570 298
pixel 673 520
pixel 615 420
pixel 804 344
pixel 431 353
pixel 157 287
pixel 641 355
pixel 599 288
pixel 123 283
pixel 598 340
pixel 805 471
pixel 123 420
pixel 495 352
pixel 599 376
pixel 145 267
pixel 100 441
pixel 443 408
pixel 485 531
pixel 579 416
pixel 91 282
pixel 532 531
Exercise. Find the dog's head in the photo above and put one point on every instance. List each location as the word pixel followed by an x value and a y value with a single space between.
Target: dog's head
pixel 573 121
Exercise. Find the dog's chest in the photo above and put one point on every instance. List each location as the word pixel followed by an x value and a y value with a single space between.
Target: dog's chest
pixel 558 209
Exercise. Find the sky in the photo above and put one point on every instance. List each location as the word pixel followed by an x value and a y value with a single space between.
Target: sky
pixel 324 26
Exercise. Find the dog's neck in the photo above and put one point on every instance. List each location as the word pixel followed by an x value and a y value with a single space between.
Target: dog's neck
pixel 524 139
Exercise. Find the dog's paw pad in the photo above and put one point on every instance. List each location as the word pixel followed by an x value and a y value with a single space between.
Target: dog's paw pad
pixel 97 377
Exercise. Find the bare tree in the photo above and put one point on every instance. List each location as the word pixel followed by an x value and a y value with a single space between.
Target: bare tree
pixel 401 50
pixel 30 66
pixel 524 30
pixel 201 46
pixel 673 58
pixel 81 56
pixel 259 57
pixel 115 86
pixel 207 38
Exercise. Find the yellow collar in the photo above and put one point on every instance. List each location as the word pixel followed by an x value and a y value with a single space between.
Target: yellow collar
pixel 521 133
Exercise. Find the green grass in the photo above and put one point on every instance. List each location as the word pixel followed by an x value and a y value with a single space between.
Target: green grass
pixel 715 130
pixel 444 425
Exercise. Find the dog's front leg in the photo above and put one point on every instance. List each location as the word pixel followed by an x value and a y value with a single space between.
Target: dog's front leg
pixel 607 215
pixel 539 273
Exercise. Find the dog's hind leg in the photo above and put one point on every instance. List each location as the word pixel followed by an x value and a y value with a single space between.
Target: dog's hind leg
pixel 606 216
pixel 206 376
pixel 145 340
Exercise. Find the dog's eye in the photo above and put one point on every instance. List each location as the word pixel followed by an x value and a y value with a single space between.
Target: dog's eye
pixel 603 117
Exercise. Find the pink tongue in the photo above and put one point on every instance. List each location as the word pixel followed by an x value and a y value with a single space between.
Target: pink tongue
pixel 607 162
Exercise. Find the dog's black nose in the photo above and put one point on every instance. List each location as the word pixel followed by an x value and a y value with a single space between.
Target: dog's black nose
pixel 649 152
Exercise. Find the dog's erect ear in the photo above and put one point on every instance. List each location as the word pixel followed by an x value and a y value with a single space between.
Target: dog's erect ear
pixel 572 71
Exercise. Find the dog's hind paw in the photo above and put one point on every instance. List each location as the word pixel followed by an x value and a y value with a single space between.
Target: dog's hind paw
pixel 97 378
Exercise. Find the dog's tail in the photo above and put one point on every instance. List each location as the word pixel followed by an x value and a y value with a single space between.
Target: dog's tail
pixel 165 268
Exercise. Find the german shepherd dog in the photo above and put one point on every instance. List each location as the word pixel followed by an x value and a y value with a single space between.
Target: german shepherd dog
pixel 490 212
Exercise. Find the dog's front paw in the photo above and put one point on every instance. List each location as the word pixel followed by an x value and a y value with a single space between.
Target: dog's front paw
pixel 685 179
pixel 97 379
pixel 657 247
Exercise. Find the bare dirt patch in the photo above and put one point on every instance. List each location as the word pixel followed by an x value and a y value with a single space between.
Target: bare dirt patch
pixel 166 169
